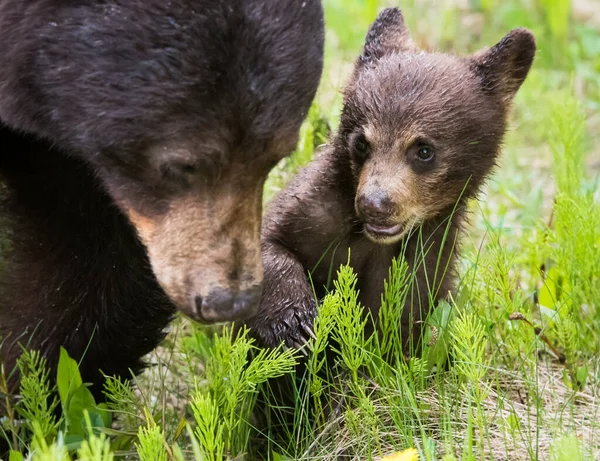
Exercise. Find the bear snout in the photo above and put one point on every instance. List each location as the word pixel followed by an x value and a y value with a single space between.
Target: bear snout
pixel 224 305
pixel 376 207
pixel 206 255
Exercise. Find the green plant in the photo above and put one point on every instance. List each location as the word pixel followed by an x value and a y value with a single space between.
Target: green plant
pixel 508 368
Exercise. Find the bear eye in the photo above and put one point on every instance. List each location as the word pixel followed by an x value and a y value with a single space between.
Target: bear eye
pixel 360 147
pixel 187 168
pixel 425 153
pixel 178 171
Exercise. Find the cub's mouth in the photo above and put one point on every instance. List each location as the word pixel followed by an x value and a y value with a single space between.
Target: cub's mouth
pixel 386 233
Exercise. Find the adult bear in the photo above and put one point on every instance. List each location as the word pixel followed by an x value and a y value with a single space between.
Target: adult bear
pixel 135 138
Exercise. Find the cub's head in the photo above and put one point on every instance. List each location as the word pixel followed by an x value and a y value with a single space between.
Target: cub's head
pixel 423 130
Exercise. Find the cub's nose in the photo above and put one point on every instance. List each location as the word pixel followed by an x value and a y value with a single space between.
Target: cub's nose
pixel 224 305
pixel 377 207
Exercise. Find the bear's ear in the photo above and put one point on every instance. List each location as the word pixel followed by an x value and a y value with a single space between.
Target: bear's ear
pixel 503 67
pixel 387 34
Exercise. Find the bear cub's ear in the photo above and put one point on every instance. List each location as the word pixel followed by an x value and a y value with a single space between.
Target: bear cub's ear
pixel 503 67
pixel 387 34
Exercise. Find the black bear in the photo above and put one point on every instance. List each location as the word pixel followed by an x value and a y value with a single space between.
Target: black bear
pixel 418 135
pixel 135 138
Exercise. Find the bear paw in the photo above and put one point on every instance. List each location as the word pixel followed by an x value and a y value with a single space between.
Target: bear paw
pixel 292 326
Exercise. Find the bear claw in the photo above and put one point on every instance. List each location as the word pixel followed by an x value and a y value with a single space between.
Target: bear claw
pixel 293 327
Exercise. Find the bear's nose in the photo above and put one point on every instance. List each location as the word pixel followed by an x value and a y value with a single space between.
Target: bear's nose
pixel 223 305
pixel 375 207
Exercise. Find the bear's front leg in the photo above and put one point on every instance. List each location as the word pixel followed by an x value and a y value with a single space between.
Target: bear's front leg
pixel 288 306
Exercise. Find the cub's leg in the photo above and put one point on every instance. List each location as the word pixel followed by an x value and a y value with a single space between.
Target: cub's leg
pixel 313 213
pixel 288 305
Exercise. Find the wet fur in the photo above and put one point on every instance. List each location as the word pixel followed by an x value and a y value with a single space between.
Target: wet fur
pixel 395 96
pixel 74 273
pixel 169 102
pixel 118 118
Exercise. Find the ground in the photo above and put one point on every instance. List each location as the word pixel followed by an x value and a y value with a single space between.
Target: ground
pixel 523 330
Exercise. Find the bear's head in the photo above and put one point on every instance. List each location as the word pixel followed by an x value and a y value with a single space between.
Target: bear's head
pixel 422 130
pixel 181 108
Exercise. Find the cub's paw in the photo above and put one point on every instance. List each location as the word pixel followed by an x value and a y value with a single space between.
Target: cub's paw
pixel 292 326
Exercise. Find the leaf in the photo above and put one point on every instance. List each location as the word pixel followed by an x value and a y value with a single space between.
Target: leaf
pixel 102 411
pixel 73 441
pixel 556 290
pixel 549 314
pixel 436 352
pixel 68 378
pixel 449 457
pixel 567 379
pixel 513 422
pixel 180 428
pixel 582 374
pixel 198 456
pixel 177 453
pixel 123 442
pixel 96 420
pixel 15 456
pixel 566 448
pixel 81 400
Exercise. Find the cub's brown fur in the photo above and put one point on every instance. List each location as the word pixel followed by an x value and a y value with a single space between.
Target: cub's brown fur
pixel 419 134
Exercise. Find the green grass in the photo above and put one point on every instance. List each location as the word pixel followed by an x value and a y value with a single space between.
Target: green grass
pixel 522 330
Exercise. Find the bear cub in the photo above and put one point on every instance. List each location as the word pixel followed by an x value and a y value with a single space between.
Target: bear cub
pixel 419 133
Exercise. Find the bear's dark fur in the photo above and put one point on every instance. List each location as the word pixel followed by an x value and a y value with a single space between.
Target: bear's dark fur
pixel 418 135
pixel 77 259
pixel 135 137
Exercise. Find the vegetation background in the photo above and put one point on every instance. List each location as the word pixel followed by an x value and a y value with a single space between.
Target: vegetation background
pixel 522 330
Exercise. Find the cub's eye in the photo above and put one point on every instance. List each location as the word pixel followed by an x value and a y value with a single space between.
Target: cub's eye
pixel 425 153
pixel 360 147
